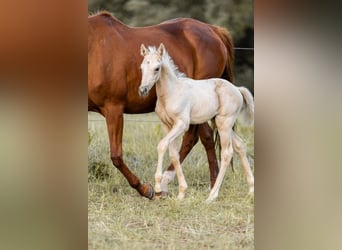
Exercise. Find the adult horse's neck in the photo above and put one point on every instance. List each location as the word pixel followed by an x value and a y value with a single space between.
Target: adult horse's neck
pixel 168 79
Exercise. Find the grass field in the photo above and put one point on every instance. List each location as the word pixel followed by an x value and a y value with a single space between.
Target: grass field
pixel 119 218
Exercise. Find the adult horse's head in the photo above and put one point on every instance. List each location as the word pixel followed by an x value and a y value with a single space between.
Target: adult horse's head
pixel 150 67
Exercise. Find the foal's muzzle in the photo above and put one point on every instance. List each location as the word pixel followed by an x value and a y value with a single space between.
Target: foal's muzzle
pixel 143 91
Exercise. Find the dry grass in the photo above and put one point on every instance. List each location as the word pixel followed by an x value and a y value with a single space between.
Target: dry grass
pixel 118 218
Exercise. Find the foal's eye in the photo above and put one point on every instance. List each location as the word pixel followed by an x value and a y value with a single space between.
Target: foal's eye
pixel 157 69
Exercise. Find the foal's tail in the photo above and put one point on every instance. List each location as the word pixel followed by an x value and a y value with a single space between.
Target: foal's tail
pixel 248 106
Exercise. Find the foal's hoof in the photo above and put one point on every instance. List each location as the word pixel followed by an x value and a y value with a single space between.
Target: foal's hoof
pixel 161 195
pixel 251 190
pixel 210 200
pixel 148 191
pixel 164 194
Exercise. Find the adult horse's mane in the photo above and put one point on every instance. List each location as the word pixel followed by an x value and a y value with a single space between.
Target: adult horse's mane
pixel 101 13
pixel 110 18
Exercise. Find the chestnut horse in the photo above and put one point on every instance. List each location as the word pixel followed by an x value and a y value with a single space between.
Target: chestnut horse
pixel 200 50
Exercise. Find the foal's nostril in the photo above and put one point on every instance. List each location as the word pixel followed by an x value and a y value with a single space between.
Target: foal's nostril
pixel 142 90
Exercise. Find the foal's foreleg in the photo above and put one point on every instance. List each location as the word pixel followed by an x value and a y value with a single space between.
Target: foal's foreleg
pixel 176 131
pixel 174 157
pixel 161 148
pixel 190 138
pixel 240 148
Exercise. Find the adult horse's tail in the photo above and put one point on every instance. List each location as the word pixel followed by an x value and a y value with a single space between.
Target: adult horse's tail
pixel 228 42
pixel 228 70
pixel 248 106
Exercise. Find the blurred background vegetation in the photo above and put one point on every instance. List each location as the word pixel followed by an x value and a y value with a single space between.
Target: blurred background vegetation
pixel 235 15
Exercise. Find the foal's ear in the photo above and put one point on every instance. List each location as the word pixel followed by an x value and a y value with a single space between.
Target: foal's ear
pixel 161 49
pixel 143 50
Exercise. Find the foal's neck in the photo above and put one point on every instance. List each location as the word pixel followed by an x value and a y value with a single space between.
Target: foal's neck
pixel 167 82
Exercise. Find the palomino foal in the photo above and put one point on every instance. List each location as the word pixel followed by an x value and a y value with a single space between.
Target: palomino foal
pixel 182 101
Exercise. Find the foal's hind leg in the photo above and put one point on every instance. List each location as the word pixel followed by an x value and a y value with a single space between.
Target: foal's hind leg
pixel 224 126
pixel 226 156
pixel 240 148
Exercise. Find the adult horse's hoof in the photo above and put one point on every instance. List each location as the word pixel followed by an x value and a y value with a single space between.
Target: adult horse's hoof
pixel 148 191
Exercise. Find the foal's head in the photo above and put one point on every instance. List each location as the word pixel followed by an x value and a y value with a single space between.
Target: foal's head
pixel 150 67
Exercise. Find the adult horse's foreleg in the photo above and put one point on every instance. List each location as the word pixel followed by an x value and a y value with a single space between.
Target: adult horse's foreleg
pixel 240 148
pixel 207 139
pixel 114 120
pixel 190 139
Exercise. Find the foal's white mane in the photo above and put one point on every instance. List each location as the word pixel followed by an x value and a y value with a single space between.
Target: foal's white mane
pixel 166 59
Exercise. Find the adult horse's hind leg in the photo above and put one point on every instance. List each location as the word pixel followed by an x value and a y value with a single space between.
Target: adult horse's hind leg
pixel 207 139
pixel 114 120
pixel 240 148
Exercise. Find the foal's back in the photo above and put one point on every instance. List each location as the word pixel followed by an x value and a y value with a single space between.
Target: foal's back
pixel 210 97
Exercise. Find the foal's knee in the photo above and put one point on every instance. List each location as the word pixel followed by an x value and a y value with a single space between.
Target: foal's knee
pixel 161 146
